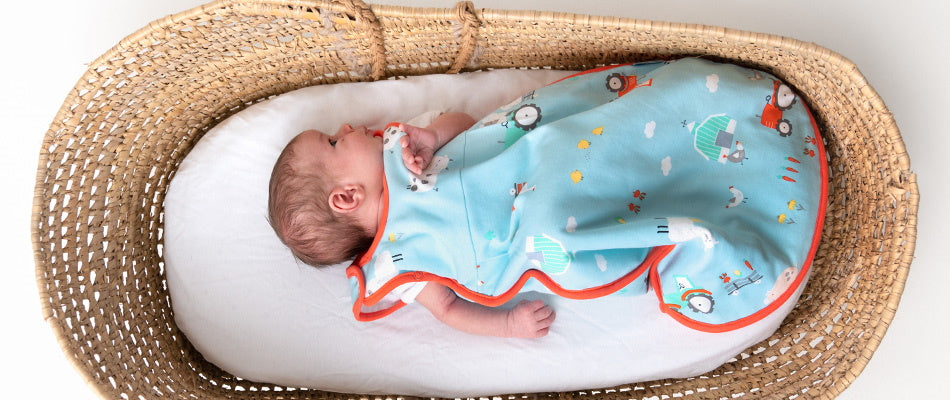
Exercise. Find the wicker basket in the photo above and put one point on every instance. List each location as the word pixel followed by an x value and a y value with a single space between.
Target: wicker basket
pixel 116 142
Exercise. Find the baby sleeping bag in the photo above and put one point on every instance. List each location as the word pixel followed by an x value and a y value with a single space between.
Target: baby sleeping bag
pixel 703 183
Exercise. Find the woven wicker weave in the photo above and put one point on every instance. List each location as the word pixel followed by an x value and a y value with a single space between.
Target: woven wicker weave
pixel 116 142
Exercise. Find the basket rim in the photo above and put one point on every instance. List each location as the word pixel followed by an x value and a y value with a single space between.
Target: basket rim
pixel 483 14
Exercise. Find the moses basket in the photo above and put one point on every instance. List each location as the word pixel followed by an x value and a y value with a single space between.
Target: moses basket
pixel 115 144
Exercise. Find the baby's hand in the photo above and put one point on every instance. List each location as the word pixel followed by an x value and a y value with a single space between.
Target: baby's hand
pixel 418 147
pixel 529 319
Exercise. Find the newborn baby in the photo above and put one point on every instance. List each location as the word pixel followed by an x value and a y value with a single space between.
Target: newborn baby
pixel 701 182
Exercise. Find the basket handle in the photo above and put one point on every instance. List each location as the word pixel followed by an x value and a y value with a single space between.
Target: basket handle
pixel 465 11
pixel 363 12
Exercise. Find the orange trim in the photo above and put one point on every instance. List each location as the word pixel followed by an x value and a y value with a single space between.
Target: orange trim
pixel 670 310
pixel 689 292
pixel 653 258
pixel 383 217
pixel 355 270
pixel 372 316
pixel 590 71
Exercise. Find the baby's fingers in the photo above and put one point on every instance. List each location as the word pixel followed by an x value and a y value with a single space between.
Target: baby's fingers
pixel 410 159
pixel 535 306
pixel 542 327
pixel 541 317
pixel 544 318
pixel 545 315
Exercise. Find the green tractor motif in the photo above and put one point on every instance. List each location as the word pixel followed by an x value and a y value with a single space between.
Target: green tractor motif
pixel 521 121
pixel 547 254
pixel 696 299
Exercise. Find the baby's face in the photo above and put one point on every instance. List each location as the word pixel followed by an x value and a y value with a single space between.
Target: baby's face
pixel 351 154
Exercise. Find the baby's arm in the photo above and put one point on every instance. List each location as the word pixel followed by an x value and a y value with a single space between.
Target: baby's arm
pixel 420 144
pixel 527 320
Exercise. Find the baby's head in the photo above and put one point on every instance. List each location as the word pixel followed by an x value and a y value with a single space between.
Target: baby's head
pixel 325 193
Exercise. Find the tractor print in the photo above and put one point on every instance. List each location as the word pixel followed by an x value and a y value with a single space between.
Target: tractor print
pixel 623 84
pixel 520 121
pixel 500 115
pixel 782 99
pixel 696 299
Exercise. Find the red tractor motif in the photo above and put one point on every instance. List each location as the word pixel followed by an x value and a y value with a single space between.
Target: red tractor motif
pixel 782 99
pixel 623 84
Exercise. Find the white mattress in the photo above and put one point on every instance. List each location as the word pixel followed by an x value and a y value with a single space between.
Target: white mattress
pixel 250 308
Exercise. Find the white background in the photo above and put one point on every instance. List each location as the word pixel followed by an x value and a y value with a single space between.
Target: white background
pixel 900 46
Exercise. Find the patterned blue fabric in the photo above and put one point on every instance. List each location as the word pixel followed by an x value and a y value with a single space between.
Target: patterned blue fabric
pixel 583 178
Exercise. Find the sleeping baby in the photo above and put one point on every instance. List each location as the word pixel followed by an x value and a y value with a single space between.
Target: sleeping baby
pixel 703 183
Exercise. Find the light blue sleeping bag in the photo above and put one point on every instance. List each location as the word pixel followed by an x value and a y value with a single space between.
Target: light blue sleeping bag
pixel 703 183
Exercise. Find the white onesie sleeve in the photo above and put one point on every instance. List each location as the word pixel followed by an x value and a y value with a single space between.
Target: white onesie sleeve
pixel 407 292
pixel 424 119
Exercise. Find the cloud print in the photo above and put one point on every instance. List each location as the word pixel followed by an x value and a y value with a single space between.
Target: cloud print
pixel 649 129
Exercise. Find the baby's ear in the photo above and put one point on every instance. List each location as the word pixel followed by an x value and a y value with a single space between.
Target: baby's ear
pixel 345 199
